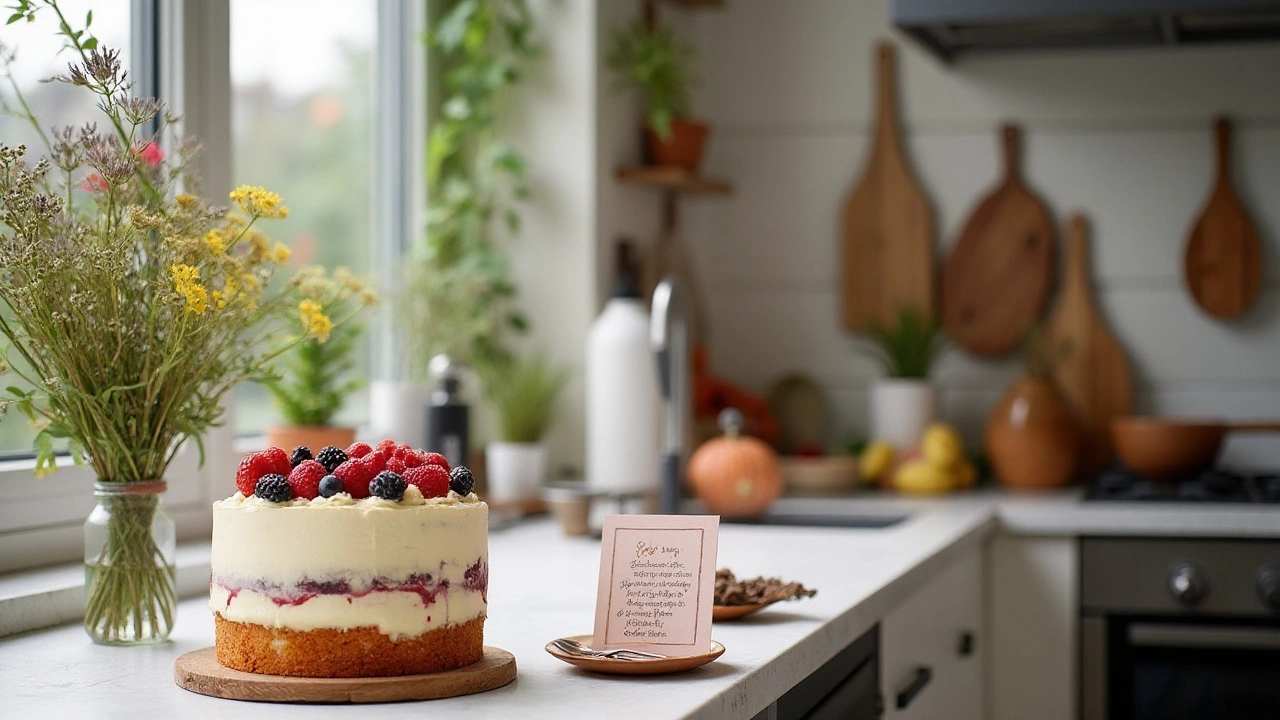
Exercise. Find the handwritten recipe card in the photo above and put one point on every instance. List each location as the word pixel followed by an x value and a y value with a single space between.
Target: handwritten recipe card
pixel 657 580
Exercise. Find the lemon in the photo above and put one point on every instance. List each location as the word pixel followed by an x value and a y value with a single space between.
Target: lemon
pixel 942 447
pixel 921 476
pixel 875 459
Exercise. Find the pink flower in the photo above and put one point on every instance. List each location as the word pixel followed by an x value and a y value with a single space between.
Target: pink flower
pixel 95 183
pixel 150 154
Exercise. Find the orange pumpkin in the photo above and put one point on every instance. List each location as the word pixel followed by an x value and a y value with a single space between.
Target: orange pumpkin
pixel 734 475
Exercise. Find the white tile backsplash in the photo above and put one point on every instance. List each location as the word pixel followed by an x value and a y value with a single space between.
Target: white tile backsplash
pixel 1123 135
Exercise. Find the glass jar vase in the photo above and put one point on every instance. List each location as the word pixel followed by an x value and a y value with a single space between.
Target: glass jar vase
pixel 129 549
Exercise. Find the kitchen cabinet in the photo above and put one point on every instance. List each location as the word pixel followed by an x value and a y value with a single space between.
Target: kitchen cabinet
pixel 1032 586
pixel 931 647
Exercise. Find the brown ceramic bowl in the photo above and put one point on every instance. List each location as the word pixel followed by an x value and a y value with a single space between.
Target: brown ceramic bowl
pixel 1161 449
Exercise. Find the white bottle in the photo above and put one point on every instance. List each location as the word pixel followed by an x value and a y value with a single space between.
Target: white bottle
pixel 623 397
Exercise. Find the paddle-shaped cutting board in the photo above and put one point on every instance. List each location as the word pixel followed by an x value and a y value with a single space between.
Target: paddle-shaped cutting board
pixel 997 278
pixel 1094 376
pixel 1223 260
pixel 887 229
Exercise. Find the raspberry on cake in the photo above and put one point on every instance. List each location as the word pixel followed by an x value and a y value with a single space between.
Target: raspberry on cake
pixel 334 585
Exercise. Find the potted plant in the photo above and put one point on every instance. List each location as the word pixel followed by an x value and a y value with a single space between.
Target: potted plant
pixel 456 288
pixel 523 392
pixel 314 380
pixel 131 308
pixel 654 60
pixel 905 401
pixel 1032 437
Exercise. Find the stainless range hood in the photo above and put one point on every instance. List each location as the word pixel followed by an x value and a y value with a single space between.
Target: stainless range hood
pixel 956 28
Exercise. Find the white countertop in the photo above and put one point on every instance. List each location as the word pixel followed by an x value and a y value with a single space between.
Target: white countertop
pixel 543 587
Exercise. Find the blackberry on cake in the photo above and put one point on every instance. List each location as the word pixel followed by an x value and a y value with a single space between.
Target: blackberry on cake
pixel 388 486
pixel 273 488
pixel 331 457
pixel 461 480
pixel 300 453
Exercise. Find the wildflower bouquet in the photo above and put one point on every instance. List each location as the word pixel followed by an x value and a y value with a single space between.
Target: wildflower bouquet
pixel 130 308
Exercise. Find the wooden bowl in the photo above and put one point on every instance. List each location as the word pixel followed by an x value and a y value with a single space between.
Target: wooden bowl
pixel 827 475
pixel 1162 449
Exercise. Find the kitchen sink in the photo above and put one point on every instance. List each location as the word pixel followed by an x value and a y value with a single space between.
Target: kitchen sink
pixel 869 521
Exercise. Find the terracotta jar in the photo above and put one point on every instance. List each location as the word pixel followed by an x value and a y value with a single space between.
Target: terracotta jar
pixel 1032 438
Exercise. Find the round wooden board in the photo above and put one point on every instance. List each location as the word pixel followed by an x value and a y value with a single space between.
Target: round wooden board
pixel 200 672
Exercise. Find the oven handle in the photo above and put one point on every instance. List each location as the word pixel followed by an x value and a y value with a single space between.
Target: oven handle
pixel 1204 636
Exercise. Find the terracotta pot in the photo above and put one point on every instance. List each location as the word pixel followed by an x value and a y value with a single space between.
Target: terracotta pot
pixel 683 149
pixel 313 436
pixel 1032 438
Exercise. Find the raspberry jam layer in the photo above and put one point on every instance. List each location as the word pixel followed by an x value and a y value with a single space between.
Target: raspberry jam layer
pixel 399 608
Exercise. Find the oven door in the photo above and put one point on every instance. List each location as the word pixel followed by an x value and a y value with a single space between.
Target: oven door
pixel 1171 668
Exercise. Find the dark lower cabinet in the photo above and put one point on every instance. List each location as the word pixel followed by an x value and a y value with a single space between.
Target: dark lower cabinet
pixel 846 688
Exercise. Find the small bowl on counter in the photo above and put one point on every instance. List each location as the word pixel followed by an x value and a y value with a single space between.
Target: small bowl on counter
pixel 820 474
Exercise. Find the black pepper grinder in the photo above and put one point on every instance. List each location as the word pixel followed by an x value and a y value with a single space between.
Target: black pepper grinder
pixel 448 417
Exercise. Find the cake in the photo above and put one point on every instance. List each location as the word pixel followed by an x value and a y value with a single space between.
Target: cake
pixel 355 563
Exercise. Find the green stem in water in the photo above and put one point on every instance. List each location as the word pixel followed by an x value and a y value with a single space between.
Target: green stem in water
pixel 130 586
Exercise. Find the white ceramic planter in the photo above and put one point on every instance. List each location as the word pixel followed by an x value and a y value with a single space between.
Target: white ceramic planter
pixel 398 410
pixel 901 409
pixel 514 471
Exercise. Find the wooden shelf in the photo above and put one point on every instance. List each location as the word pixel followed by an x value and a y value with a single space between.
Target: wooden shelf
pixel 674 179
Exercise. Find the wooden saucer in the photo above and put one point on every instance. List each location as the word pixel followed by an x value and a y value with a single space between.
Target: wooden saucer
pixel 720 613
pixel 200 672
pixel 654 666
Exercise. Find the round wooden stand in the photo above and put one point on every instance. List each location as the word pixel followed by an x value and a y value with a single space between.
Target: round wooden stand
pixel 200 672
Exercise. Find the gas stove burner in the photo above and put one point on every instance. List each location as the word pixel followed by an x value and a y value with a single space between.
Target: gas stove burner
pixel 1211 485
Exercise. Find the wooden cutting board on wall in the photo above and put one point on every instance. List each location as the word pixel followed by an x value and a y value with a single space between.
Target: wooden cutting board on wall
pixel 887 228
pixel 997 278
pixel 1223 259
pixel 1094 377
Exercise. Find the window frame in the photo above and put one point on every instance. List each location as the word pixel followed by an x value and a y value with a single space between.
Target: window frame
pixel 186 61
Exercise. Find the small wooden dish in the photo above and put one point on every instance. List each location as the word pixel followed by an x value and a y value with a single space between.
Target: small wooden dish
pixel 656 666
pixel 721 613
pixel 201 673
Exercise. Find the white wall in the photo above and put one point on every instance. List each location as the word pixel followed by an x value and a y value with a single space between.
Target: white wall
pixel 1122 134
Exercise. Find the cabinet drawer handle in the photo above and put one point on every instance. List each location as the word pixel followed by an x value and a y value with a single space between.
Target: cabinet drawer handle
pixel 923 675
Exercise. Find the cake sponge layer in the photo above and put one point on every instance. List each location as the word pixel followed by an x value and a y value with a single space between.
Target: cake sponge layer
pixel 359 652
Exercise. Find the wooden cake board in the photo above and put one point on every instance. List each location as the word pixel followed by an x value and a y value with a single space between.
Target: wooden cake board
pixel 200 672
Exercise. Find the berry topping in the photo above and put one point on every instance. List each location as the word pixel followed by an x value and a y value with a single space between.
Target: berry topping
pixel 331 457
pixel 388 486
pixel 376 460
pixel 330 485
pixel 300 453
pixel 305 479
pixel 436 459
pixel 397 465
pixel 461 480
pixel 355 476
pixel 279 460
pixel 273 487
pixel 386 445
pixel 414 458
pixel 432 480
pixel 251 469
pixel 358 450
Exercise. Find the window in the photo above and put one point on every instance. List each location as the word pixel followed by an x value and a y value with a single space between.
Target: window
pixel 302 121
pixel 302 125
pixel 37 53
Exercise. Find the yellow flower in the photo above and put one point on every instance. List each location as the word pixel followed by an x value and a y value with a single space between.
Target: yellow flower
pixel 314 319
pixel 368 297
pixel 186 280
pixel 216 243
pixel 219 300
pixel 281 253
pixel 259 202
pixel 259 246
pixel 186 200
